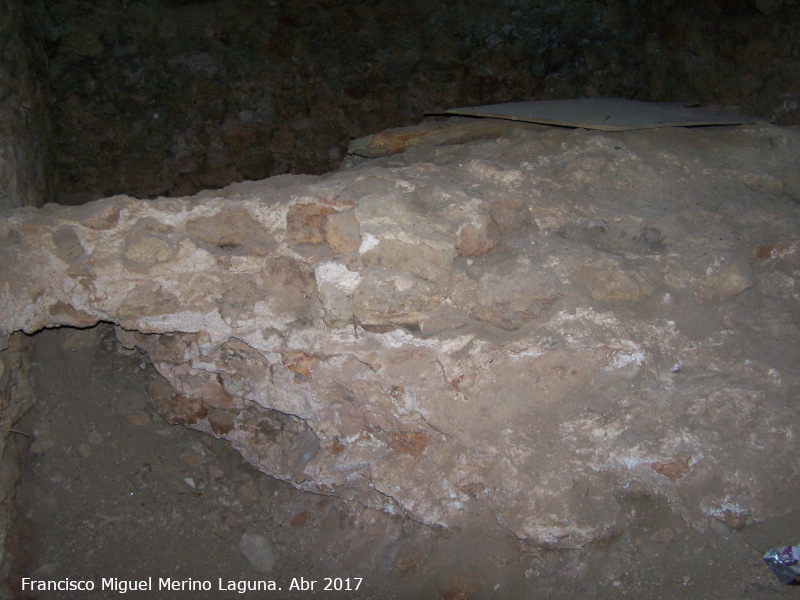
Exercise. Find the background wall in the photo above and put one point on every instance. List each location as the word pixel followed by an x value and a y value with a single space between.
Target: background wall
pixel 26 177
pixel 166 97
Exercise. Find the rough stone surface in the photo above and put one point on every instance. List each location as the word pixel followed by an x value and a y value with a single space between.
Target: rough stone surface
pixel 629 332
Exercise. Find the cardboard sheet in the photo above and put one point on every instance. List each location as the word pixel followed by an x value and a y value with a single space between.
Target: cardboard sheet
pixel 606 114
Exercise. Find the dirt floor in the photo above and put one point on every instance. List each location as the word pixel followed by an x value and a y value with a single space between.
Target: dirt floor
pixel 112 492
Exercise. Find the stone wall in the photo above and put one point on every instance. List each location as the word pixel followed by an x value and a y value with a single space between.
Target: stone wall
pixel 26 175
pixel 534 330
pixel 161 97
pixel 166 97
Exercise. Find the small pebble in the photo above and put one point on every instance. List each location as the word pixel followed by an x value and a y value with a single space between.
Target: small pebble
pixel 259 551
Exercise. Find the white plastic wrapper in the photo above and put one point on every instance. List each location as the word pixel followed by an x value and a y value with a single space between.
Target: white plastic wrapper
pixel 785 563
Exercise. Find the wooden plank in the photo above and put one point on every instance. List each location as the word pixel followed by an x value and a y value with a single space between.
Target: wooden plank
pixel 452 131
